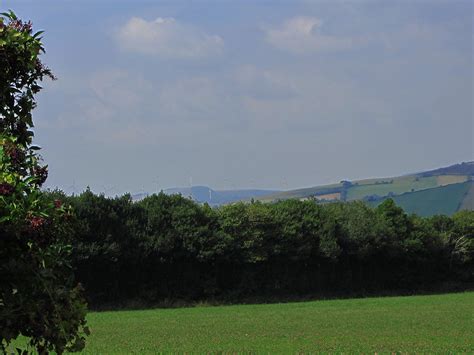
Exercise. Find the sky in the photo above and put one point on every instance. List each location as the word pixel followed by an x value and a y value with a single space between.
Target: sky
pixel 250 94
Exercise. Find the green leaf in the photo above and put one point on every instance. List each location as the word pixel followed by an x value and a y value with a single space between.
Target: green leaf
pixel 37 34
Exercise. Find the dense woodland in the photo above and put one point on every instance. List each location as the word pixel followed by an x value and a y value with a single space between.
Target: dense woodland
pixel 167 248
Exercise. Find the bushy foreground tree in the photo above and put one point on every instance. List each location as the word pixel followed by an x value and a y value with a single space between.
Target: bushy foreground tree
pixel 38 296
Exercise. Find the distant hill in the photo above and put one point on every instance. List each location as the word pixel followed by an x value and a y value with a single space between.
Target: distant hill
pixel 466 168
pixel 439 191
pixel 444 190
pixel 204 194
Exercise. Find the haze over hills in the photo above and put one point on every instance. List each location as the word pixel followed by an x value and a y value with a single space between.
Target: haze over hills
pixel 204 194
pixel 443 190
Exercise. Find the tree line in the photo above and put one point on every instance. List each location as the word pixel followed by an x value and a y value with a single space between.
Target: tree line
pixel 170 248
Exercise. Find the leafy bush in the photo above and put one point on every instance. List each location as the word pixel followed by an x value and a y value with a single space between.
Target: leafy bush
pixel 38 297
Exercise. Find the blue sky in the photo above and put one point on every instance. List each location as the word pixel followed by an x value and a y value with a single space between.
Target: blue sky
pixel 269 94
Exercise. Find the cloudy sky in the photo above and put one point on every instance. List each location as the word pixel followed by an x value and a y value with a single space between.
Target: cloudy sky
pixel 269 94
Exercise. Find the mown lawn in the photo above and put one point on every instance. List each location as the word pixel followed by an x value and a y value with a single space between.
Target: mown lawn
pixel 440 323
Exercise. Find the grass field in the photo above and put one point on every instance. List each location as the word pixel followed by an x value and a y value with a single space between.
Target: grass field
pixel 440 323
pixel 468 201
pixel 400 185
pixel 444 180
pixel 440 200
pixel 301 193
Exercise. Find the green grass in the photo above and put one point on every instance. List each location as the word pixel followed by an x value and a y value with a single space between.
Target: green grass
pixel 400 185
pixel 440 200
pixel 300 193
pixel 468 201
pixel 363 188
pixel 439 323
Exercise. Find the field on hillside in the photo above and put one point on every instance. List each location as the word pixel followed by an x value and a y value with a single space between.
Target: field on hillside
pixel 382 187
pixel 398 186
pixel 440 200
pixel 329 197
pixel 304 192
pixel 360 189
pixel 451 179
pixel 468 202
pixel 440 323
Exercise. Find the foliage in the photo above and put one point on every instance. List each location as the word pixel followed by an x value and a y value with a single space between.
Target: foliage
pixel 38 298
pixel 170 248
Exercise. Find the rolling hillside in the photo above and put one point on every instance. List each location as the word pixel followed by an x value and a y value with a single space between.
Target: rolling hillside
pixel 468 201
pixel 439 191
pixel 439 200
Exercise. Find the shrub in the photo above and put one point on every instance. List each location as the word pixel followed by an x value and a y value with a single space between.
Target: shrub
pixel 38 297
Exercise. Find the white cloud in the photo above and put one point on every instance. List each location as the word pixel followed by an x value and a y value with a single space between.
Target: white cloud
pixel 303 35
pixel 168 38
